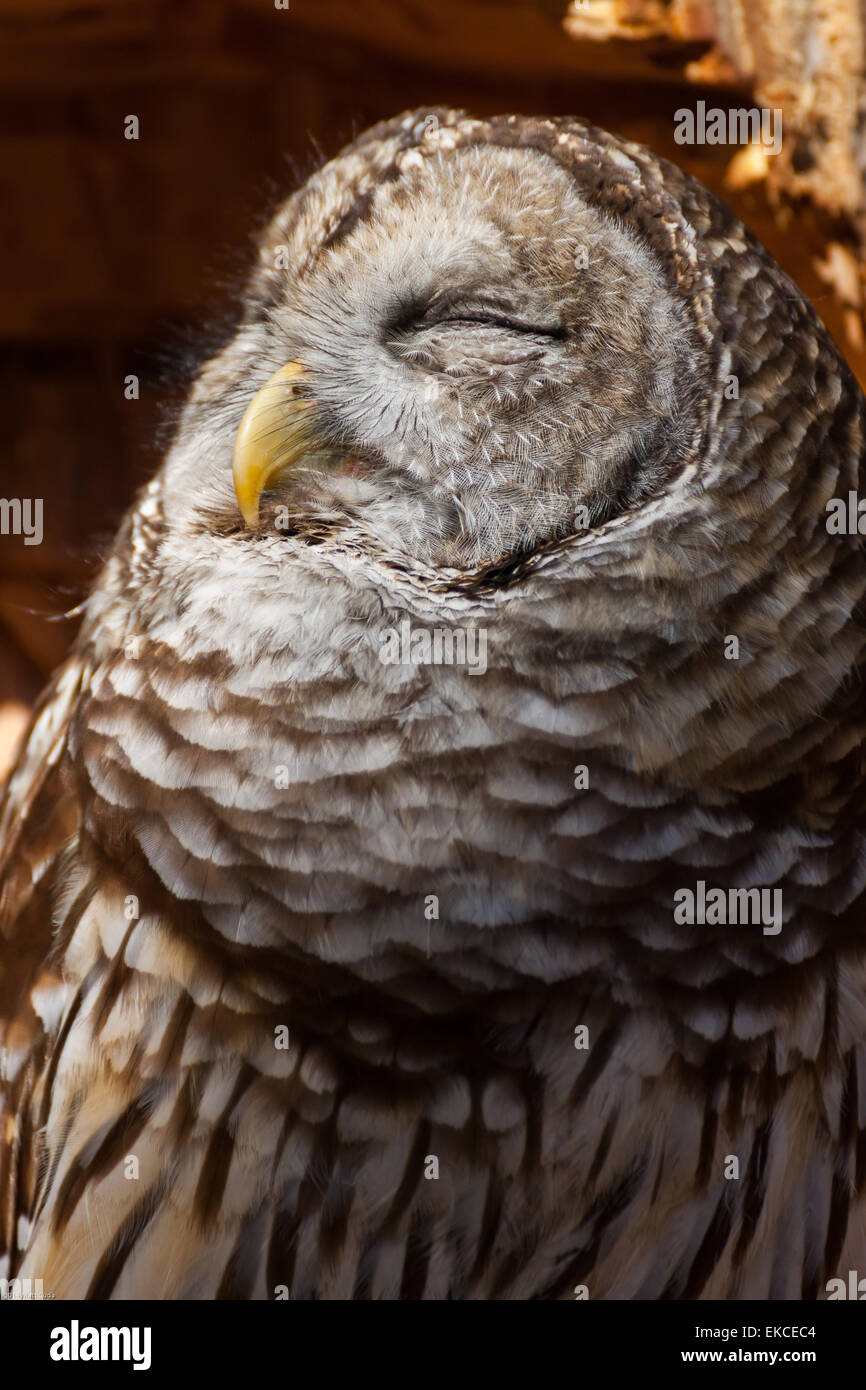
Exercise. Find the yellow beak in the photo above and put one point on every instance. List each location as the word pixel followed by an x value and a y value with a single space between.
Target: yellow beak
pixel 275 432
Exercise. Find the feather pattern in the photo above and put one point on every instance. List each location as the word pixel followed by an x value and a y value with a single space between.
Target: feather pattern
pixel 230 817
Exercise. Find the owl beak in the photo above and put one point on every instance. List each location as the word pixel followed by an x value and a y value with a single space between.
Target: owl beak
pixel 275 432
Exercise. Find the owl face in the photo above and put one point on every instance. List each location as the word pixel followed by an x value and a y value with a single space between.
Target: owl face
pixel 481 361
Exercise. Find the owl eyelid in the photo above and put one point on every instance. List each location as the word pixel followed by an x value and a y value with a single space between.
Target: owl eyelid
pixel 535 330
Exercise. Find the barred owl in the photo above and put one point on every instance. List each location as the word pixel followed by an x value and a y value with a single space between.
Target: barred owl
pixel 483 612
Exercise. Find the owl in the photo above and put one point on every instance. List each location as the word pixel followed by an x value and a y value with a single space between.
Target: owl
pixel 437 872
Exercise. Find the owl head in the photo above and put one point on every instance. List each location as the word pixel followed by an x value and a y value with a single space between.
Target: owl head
pixel 452 354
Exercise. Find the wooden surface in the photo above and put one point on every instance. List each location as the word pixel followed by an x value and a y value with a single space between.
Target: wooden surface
pixel 124 256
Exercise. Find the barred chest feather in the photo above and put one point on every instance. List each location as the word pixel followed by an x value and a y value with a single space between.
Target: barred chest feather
pixel 418 1019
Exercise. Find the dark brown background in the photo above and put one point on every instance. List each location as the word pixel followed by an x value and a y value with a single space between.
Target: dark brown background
pixel 116 252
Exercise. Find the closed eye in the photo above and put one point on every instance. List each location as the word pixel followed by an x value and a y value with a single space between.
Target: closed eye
pixel 536 330
pixel 417 317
